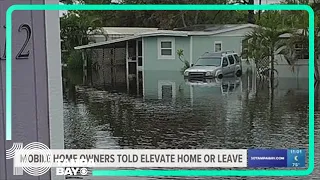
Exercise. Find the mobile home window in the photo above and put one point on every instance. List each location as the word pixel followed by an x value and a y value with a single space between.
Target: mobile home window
pixel 166 48
pixel 217 46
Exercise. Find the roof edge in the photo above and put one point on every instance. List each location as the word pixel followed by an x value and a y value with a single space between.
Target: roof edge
pixel 224 30
pixel 128 38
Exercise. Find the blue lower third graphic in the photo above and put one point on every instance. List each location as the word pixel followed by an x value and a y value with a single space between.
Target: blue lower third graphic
pixel 267 158
pixel 296 158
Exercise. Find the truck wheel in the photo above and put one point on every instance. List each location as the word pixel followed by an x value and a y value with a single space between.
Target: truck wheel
pixel 238 73
pixel 220 76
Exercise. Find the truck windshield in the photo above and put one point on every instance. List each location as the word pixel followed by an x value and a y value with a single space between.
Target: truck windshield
pixel 209 61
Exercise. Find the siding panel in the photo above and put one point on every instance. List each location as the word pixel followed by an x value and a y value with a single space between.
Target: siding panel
pixel 3 172
pixel 40 78
pixel 202 44
pixel 151 61
pixel 29 85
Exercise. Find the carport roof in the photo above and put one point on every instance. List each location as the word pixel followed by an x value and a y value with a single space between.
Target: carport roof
pixel 137 36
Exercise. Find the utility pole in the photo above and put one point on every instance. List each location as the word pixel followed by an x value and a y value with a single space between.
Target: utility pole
pixel 259 10
pixel 251 13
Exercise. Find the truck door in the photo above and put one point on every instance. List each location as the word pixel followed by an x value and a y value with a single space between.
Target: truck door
pixel 225 66
pixel 232 64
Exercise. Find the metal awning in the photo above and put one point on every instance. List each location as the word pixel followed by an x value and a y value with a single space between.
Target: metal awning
pixel 167 33
pixel 93 45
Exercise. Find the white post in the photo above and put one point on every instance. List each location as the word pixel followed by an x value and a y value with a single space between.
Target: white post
pixel 249 83
pixel 191 95
pixel 84 60
pixel 52 25
pixel 270 77
pixel 143 85
pixel 127 65
pixel 137 66
pixel 84 66
pixel 191 50
pixel 241 88
pixel 254 80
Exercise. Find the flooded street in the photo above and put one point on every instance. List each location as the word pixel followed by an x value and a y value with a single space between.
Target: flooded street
pixel 168 112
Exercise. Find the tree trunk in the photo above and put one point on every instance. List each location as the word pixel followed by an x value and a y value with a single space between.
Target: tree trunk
pixel 316 96
pixel 251 17
pixel 196 17
pixel 272 67
pixel 215 16
pixel 271 88
pixel 259 10
pixel 316 58
pixel 251 13
pixel 272 70
pixel 271 75
pixel 316 68
pixel 183 19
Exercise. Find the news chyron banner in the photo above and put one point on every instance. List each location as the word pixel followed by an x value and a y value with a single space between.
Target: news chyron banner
pixel 36 158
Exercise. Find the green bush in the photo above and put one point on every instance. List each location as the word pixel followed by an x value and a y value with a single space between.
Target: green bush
pixel 74 60
pixel 185 62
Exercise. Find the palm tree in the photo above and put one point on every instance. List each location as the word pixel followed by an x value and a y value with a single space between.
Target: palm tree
pixel 301 21
pixel 302 37
pixel 263 45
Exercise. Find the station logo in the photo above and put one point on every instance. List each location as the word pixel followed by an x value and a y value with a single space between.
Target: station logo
pixel 42 152
pixel 276 158
pixel 37 159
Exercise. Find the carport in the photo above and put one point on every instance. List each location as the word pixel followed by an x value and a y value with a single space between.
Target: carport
pixel 116 63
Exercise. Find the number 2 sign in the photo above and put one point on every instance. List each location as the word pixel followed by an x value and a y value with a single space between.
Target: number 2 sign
pixel 23 53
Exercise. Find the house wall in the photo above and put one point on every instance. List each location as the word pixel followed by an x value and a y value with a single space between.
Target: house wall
pixel 300 70
pixel 202 44
pixel 199 45
pixel 231 40
pixel 194 46
pixel 151 60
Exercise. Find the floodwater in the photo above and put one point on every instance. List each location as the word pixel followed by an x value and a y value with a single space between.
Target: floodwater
pixel 165 111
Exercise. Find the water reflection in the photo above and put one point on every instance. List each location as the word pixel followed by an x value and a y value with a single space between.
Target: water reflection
pixel 172 112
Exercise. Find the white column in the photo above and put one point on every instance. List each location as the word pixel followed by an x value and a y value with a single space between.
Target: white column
pixel 143 85
pixel 137 66
pixel 52 25
pixel 191 50
pixel 190 61
pixel 127 65
pixel 191 95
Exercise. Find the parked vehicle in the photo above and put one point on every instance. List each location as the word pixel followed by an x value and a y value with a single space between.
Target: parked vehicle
pixel 212 65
